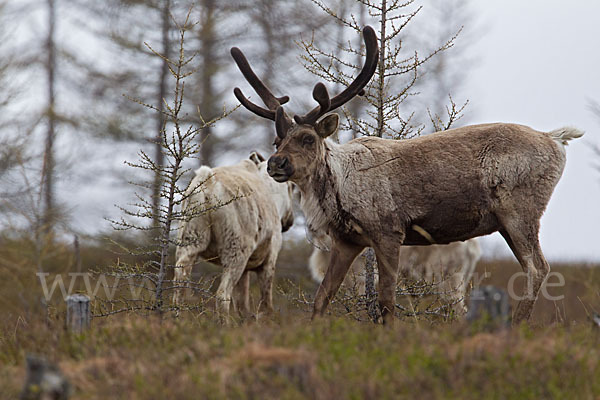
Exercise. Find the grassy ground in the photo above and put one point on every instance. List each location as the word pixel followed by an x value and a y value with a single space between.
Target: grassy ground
pixel 286 357
pixel 142 358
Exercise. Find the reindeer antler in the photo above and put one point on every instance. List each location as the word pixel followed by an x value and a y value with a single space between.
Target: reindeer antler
pixel 282 121
pixel 274 110
pixel 356 87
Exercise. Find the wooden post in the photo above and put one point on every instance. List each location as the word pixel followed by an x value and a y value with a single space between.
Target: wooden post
pixel 491 304
pixel 78 313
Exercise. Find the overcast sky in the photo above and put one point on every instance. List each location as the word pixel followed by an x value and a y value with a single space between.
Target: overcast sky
pixel 539 65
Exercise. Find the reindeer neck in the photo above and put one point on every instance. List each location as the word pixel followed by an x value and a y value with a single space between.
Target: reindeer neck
pixel 321 199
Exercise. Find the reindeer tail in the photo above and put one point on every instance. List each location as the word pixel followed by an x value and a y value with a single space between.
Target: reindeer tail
pixel 563 135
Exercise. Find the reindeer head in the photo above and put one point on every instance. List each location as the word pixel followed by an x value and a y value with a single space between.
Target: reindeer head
pixel 300 141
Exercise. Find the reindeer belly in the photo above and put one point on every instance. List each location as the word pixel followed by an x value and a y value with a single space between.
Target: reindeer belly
pixel 448 219
pixel 449 230
pixel 259 255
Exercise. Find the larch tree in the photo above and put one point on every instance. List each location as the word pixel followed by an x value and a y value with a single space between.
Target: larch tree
pixel 10 146
pixel 273 27
pixel 178 142
pixel 35 61
pixel 135 72
pixel 443 78
pixel 48 166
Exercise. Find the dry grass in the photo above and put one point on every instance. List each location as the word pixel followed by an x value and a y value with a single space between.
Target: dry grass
pixel 286 357
pixel 580 292
pixel 133 357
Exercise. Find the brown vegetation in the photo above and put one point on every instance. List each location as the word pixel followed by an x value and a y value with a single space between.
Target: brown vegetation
pixel 192 356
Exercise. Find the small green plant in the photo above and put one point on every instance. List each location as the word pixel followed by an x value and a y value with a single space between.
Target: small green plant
pixel 179 142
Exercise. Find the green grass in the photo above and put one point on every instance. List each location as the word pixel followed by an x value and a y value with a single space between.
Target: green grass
pixel 288 357
pixel 133 357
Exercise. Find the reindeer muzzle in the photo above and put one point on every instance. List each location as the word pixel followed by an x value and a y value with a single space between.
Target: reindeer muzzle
pixel 280 168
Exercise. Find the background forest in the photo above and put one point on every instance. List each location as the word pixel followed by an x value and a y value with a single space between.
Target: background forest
pixel 71 69
pixel 86 88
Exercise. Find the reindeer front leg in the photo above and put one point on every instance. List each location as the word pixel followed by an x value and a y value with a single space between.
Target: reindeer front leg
pixel 342 256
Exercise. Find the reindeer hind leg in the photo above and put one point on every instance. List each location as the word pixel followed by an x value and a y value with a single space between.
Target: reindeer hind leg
pixel 522 238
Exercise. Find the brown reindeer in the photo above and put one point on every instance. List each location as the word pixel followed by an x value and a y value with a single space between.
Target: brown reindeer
pixel 439 188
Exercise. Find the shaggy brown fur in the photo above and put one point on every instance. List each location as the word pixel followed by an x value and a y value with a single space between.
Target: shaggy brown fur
pixel 440 188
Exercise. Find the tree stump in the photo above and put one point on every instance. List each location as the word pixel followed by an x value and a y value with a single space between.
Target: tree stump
pixel 78 313
pixel 44 381
pixel 489 305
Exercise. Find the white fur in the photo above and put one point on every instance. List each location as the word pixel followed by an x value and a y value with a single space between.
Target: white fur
pixel 240 235
pixel 316 219
pixel 564 134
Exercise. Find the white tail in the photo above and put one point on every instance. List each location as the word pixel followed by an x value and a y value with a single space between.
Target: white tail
pixel 563 135
pixel 196 198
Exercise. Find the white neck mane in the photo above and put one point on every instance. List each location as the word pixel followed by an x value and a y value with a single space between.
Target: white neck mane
pixel 316 210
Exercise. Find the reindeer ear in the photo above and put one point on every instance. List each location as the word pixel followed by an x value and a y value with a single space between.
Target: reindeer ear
pixel 256 157
pixel 327 125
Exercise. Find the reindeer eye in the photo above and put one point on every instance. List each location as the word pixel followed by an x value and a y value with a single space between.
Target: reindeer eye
pixel 308 140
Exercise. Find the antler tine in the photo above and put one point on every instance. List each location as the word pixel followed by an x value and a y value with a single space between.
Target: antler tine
pixel 322 97
pixel 261 112
pixel 366 73
pixel 282 122
pixel 355 88
pixel 263 92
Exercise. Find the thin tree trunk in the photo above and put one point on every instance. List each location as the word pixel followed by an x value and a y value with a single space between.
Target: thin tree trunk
pixel 45 221
pixel 48 163
pixel 370 262
pixel 381 73
pixel 207 101
pixel 160 119
pixel 164 239
pixel 370 291
pixel 356 105
pixel 266 23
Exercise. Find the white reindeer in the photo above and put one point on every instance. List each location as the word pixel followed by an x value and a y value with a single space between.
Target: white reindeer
pixel 449 266
pixel 435 189
pixel 241 236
